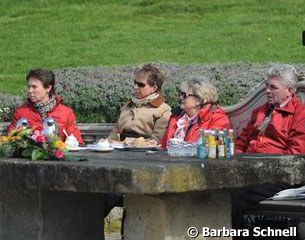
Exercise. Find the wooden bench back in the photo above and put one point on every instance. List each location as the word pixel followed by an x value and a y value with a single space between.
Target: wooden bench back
pixel 239 115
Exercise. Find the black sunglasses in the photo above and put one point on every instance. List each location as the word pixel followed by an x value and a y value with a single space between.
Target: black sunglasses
pixel 139 84
pixel 184 94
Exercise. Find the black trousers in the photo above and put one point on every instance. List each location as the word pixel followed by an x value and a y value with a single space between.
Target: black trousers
pixel 243 199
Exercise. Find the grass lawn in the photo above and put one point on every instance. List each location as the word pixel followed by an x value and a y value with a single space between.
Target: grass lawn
pixel 67 33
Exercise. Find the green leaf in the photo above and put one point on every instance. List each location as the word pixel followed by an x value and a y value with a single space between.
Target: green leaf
pixel 23 144
pixel 25 132
pixel 2 153
pixel 6 150
pixel 27 152
pixel 38 154
pixel 73 158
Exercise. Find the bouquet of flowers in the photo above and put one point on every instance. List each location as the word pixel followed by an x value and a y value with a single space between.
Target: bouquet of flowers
pixel 30 143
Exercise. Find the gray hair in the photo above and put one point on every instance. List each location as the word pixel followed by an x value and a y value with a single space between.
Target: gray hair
pixel 287 73
pixel 201 87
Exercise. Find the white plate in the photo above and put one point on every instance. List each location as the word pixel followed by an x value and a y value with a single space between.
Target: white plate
pixel 117 145
pixel 102 150
pixel 76 149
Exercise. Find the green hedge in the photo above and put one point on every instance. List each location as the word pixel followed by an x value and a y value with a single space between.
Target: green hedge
pixel 96 93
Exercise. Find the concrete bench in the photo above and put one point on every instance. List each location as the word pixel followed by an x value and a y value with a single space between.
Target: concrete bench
pixel 288 208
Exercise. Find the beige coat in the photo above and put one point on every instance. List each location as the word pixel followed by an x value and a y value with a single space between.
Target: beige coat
pixel 149 120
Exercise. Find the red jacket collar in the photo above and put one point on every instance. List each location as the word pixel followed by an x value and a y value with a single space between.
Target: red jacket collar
pixel 290 106
pixel 205 111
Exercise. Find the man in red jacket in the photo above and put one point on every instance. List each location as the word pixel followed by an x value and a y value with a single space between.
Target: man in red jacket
pixel 277 127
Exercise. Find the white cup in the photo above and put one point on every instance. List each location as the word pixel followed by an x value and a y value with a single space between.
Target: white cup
pixel 71 142
pixel 103 145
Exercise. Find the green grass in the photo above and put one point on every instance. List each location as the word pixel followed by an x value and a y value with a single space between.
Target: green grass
pixel 59 33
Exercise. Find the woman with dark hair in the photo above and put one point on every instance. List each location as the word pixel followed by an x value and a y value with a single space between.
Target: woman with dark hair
pixel 42 104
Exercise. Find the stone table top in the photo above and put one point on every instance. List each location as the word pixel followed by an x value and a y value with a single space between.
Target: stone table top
pixel 139 172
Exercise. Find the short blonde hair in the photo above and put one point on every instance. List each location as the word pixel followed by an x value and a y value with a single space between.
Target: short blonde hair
pixel 200 87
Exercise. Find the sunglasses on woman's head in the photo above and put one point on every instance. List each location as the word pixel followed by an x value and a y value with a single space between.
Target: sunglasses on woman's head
pixel 139 84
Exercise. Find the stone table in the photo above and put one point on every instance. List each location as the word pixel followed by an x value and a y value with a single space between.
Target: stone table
pixel 164 195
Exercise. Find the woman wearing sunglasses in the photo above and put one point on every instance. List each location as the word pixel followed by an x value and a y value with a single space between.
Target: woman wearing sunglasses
pixel 198 110
pixel 146 114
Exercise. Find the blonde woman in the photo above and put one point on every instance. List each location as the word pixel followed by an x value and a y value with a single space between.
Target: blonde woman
pixel 198 110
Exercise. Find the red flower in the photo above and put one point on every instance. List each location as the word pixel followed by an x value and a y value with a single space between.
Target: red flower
pixel 58 154
pixel 40 139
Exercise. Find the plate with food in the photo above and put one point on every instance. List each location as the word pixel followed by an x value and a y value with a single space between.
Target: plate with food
pixel 140 144
pixel 116 144
pixel 102 145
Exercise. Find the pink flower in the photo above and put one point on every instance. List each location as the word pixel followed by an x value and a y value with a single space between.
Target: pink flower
pixel 58 154
pixel 40 139
pixel 37 134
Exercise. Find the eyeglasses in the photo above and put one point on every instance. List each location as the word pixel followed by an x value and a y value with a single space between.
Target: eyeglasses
pixel 185 95
pixel 139 84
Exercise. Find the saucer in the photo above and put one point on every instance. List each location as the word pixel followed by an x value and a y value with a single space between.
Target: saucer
pixel 76 149
pixel 103 149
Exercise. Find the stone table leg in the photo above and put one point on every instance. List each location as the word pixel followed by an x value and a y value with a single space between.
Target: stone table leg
pixel 48 215
pixel 168 217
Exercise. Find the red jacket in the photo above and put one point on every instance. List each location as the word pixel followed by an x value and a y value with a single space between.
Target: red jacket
pixel 61 114
pixel 285 133
pixel 211 116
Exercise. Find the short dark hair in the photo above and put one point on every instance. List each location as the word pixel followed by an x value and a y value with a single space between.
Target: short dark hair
pixel 47 77
pixel 155 76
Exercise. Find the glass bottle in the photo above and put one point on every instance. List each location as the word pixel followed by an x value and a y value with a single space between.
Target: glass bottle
pixel 212 154
pixel 221 146
pixel 201 148
pixel 232 144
